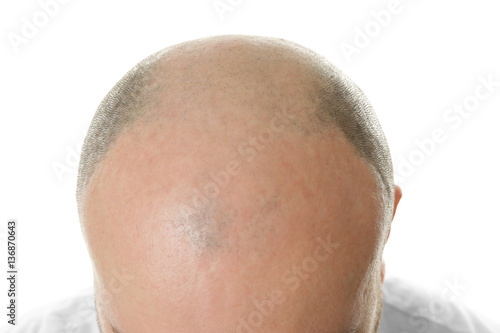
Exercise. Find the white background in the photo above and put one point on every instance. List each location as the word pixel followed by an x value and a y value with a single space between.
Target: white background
pixel 429 57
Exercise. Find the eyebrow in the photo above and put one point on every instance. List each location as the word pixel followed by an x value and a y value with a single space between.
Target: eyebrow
pixel 353 330
pixel 114 329
pixel 347 330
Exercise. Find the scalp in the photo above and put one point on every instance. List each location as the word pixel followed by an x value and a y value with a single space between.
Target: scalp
pixel 232 87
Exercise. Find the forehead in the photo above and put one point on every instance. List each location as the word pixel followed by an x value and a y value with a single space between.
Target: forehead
pixel 199 184
pixel 278 202
pixel 213 172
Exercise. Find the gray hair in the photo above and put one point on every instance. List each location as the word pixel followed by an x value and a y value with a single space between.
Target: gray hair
pixel 121 107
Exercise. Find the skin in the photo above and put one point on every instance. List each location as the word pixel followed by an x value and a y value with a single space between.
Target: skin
pixel 292 241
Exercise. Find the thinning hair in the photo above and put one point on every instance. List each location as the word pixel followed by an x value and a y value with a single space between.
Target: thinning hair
pixel 121 107
pixel 340 104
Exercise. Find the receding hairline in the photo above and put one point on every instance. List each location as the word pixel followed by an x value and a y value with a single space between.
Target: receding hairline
pixel 341 104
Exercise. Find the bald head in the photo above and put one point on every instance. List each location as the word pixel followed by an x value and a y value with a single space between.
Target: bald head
pixel 229 171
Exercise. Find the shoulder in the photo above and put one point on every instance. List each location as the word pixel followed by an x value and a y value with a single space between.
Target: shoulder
pixel 409 309
pixel 74 314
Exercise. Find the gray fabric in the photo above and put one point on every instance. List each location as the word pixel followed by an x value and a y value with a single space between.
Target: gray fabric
pixel 410 310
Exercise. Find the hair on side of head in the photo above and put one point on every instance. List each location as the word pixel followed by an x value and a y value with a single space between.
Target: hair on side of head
pixel 340 106
pixel 341 103
pixel 121 107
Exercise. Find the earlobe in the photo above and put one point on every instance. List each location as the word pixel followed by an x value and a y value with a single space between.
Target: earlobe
pixel 398 193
